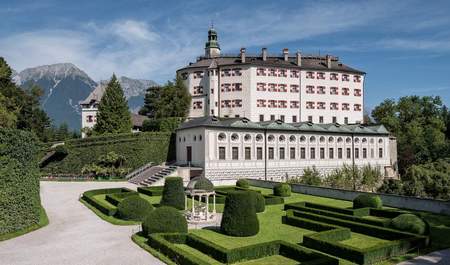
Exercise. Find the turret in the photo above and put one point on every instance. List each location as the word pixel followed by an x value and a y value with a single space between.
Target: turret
pixel 212 47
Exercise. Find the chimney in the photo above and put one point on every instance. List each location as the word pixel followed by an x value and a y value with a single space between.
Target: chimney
pixel 328 61
pixel 298 58
pixel 286 54
pixel 264 54
pixel 242 55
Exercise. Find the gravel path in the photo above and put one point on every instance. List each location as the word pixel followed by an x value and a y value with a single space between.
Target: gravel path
pixel 75 234
pixel 439 258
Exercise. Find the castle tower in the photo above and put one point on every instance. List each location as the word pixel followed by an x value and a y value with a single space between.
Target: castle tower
pixel 212 48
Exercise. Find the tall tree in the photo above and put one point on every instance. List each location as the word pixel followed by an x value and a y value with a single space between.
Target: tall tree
pixel 174 101
pixel 113 114
pixel 151 101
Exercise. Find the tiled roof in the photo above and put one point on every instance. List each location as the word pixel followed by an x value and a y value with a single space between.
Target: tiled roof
pixel 95 96
pixel 308 63
pixel 137 120
pixel 278 125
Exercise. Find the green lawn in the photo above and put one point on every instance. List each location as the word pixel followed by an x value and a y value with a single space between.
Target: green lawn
pixel 271 260
pixel 363 241
pixel 198 254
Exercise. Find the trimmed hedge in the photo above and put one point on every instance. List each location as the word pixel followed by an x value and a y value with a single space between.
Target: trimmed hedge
pixel 356 212
pixel 272 200
pixel 165 244
pixel 282 190
pixel 137 148
pixel 440 236
pixel 116 198
pixel 164 219
pixel 367 200
pixel 243 183
pixel 173 193
pixel 107 209
pixel 260 203
pixel 134 208
pixel 409 223
pixel 204 184
pixel 20 204
pixel 239 215
pixel 386 213
pixel 151 191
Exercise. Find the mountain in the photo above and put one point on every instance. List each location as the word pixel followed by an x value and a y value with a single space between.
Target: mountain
pixel 65 85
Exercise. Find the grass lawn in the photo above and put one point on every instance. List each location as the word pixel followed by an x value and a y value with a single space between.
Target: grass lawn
pixel 43 221
pixel 363 241
pixel 275 259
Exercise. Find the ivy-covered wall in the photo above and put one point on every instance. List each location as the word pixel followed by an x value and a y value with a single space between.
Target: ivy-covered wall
pixel 19 181
pixel 137 148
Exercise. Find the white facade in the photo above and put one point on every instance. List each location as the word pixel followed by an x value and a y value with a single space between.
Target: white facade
pixel 272 154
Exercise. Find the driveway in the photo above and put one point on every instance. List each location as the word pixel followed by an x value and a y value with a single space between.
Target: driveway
pixel 75 234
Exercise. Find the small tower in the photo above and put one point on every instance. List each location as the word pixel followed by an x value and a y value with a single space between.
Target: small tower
pixel 212 48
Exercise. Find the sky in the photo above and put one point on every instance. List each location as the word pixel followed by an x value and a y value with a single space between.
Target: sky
pixel 403 46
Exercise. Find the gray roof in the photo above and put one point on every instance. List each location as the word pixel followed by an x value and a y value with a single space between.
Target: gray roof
pixel 137 120
pixel 317 63
pixel 278 125
pixel 95 96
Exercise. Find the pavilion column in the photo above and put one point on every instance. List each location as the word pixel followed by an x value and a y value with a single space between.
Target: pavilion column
pixel 193 204
pixel 214 210
pixel 185 202
pixel 207 207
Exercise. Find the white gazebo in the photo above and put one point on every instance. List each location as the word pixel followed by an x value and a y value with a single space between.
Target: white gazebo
pixel 200 189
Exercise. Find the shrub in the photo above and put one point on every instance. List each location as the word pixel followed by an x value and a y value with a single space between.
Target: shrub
pixel 134 208
pixel 243 183
pixel 409 223
pixel 282 190
pixel 173 193
pixel 260 202
pixel 203 184
pixel 367 200
pixel 239 215
pixel 164 219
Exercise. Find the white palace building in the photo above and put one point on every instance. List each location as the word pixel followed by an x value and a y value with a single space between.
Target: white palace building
pixel 271 116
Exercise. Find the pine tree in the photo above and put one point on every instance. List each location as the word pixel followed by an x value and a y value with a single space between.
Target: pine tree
pixel 151 100
pixel 113 115
pixel 175 100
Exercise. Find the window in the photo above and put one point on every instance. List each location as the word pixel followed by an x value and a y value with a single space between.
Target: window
pixel 333 76
pixel 261 87
pixel 282 117
pixel 320 90
pixel 322 153
pixel 221 137
pixel 294 89
pixel 310 75
pixel 294 118
pixel 345 120
pixel 292 153
pixel 282 153
pixel 364 154
pixel 357 92
pixel 237 72
pixel 312 153
pixel 237 103
pixel 235 153
pixel 259 137
pixel 271 155
pixel 334 91
pixel 294 73
pixel 334 106
pixel 272 103
pixel 295 104
pixel 331 153
pixel 372 153
pixel 234 137
pixel 282 88
pixel 309 89
pixel 197 104
pixel 357 153
pixel 198 74
pixel 247 153
pixel 261 103
pixel 272 72
pixel 339 153
pixel 302 153
pixel 259 153
pixel 198 90
pixel 345 91
pixel 320 119
pixel 261 71
pixel 272 117
pixel 222 153
pixel 237 87
pixel 320 105
pixel 272 88
pixel 345 77
pixel 310 119
pixel 380 153
pixel 320 75
pixel 310 105
pixel 357 78
pixel 261 117
pixel 349 153
pixel 357 107
pixel 334 119
pixel 345 106
pixel 282 104
pixel 226 72
pixel 89 118
pixel 247 137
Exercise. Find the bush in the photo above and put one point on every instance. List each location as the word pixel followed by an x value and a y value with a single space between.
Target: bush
pixel 151 191
pixel 203 184
pixel 260 202
pixel 239 215
pixel 282 190
pixel 173 193
pixel 367 200
pixel 243 183
pixel 134 208
pixel 409 223
pixel 164 219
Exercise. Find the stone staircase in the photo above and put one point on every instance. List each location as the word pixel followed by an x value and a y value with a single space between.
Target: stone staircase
pixel 151 175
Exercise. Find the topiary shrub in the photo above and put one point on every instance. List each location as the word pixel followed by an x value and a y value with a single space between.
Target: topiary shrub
pixel 134 208
pixel 204 184
pixel 260 202
pixel 282 190
pixel 409 223
pixel 239 215
pixel 173 193
pixel 367 200
pixel 243 183
pixel 164 219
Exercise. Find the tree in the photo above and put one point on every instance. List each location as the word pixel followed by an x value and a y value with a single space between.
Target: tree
pixel 419 123
pixel 113 115
pixel 151 101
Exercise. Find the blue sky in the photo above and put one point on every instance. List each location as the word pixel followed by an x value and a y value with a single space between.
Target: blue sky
pixel 404 46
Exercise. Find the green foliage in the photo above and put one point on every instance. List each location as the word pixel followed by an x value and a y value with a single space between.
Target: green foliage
pixel 391 186
pixel 409 223
pixel 169 124
pixel 138 149
pixel 347 211
pixel 151 101
pixel 260 202
pixel 107 166
pixel 440 236
pixel 113 115
pixel 282 190
pixel 239 215
pixel 243 183
pixel 105 208
pixel 19 181
pixel 134 208
pixel 173 193
pixel 164 219
pixel 151 191
pixel 364 178
pixel 310 177
pixel 203 184
pixel 367 200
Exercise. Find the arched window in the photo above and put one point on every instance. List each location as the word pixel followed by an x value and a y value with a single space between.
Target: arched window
pixel 195 138
pixel 356 140
pixel 282 138
pixel 270 138
pixel 380 141
pixel 200 137
pixel 247 137
pixel 222 137
pixel 184 138
pixel 292 138
pixel 234 137
pixel 259 137
pixel 348 140
pixel 364 140
pixel 372 140
pixel 340 140
pixel 312 139
pixel 179 139
pixel 302 139
pixel 322 139
pixel 330 139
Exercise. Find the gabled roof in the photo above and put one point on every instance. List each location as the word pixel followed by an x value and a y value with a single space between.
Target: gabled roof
pixel 278 125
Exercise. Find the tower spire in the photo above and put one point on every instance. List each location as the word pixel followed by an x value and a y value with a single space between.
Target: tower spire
pixel 212 47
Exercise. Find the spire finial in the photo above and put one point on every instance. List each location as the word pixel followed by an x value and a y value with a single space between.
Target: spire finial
pixel 212 23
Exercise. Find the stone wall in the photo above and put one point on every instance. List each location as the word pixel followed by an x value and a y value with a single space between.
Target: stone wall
pixel 405 202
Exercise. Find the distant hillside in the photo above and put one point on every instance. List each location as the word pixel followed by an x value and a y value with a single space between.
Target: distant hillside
pixel 65 85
